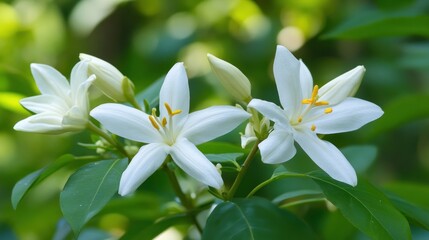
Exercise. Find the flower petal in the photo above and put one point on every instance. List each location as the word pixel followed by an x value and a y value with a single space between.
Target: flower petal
pixel 306 80
pixel 278 147
pixel 149 158
pixel 345 85
pixel 45 103
pixel 41 123
pixel 175 92
pixel 327 157
pixel 49 80
pixel 81 95
pixel 287 76
pixel 126 122
pixel 207 124
pixel 347 116
pixel 78 76
pixel 271 111
pixel 194 163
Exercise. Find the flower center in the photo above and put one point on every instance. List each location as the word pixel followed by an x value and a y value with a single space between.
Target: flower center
pixel 164 126
pixel 312 102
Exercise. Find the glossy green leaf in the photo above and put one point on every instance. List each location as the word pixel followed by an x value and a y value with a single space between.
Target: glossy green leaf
pixel 417 193
pixel 34 178
pixel 360 157
pixel 300 193
pixel 151 94
pixel 365 207
pixel 399 112
pixel 224 158
pixel 219 148
pixel 253 218
pixel 89 189
pixel 379 24
pixel 415 213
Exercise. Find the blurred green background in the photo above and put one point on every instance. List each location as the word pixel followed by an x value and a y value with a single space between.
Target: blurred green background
pixel 144 38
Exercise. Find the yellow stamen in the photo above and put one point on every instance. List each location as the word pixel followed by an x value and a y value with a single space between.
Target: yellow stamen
pixel 169 110
pixel 315 92
pixel 321 103
pixel 164 122
pixel 153 121
pixel 175 112
pixel 307 101
pixel 300 119
pixel 154 112
pixel 313 127
pixel 328 110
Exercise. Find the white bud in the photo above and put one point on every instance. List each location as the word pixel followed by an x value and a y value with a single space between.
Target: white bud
pixel 345 85
pixel 231 78
pixel 109 79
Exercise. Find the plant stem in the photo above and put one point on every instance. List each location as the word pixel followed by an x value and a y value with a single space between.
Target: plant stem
pixel 186 202
pixel 243 171
pixel 93 128
pixel 278 177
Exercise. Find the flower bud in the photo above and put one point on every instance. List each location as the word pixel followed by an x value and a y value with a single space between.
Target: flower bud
pixel 231 78
pixel 109 79
pixel 345 85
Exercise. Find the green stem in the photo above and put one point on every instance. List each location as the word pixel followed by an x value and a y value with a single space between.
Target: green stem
pixel 278 177
pixel 96 130
pixel 186 202
pixel 242 172
pixel 303 201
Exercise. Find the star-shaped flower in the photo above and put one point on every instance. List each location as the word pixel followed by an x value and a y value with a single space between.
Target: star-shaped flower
pixel 308 111
pixel 62 106
pixel 174 132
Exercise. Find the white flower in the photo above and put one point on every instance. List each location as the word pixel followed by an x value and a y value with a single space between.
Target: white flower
pixel 231 78
pixel 63 106
pixel 109 79
pixel 175 132
pixel 306 112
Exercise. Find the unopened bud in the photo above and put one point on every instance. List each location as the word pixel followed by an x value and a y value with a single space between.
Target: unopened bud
pixel 343 86
pixel 231 78
pixel 109 79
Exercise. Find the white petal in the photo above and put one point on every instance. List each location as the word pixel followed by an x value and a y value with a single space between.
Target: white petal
pixel 347 116
pixel 271 111
pixel 149 158
pixel 40 123
pixel 75 118
pixel 287 76
pixel 49 80
pixel 205 125
pixel 45 103
pixel 78 75
pixel 175 92
pixel 278 147
pixel 194 163
pixel 126 122
pixel 306 80
pixel 82 94
pixel 327 157
pixel 342 86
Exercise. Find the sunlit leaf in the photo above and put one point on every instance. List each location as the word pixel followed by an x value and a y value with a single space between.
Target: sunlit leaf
pixel 10 101
pixel 89 189
pixel 253 218
pixel 32 179
pixel 365 207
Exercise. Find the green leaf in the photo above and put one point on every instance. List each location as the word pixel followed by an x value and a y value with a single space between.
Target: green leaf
pixel 412 211
pixel 365 207
pixel 151 94
pixel 151 231
pixel 370 23
pixel 219 148
pixel 417 193
pixel 34 178
pixel 254 218
pixel 299 193
pixel 224 158
pixel 89 189
pixel 360 157
pixel 399 112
